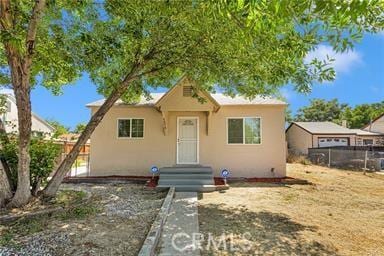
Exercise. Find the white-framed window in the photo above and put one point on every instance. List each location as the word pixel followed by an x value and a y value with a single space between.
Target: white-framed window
pixel 130 128
pixel 244 130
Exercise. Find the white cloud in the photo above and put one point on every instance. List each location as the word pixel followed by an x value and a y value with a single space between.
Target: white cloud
pixel 286 93
pixel 343 62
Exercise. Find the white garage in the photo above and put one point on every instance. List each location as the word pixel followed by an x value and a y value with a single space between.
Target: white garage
pixel 332 142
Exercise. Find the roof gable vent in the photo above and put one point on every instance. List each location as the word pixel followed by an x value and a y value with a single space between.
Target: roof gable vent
pixel 187 91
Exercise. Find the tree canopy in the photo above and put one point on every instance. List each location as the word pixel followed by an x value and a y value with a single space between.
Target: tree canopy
pixel 247 47
pixel 320 110
pixel 60 129
pixel 361 115
pixel 54 61
pixel 79 128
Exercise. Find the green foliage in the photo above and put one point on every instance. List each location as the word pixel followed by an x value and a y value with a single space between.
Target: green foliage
pixel 9 152
pixel 298 159
pixel 3 104
pixel 246 47
pixel 69 197
pixel 54 60
pixel 20 228
pixel 44 155
pixel 60 129
pixel 288 115
pixel 79 128
pixel 79 212
pixel 362 115
pixel 6 238
pixel 28 226
pixel 320 110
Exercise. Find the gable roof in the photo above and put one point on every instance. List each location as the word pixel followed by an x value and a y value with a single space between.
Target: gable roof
pixel 142 102
pixel 218 99
pixel 11 98
pixel 322 128
pixel 221 99
pixel 366 133
pixel 331 128
pixel 181 80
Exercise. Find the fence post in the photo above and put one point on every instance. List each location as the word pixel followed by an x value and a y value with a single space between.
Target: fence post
pixel 88 165
pixel 365 161
pixel 76 167
pixel 329 158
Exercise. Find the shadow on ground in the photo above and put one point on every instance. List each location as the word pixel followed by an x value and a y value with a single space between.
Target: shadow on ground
pixel 268 233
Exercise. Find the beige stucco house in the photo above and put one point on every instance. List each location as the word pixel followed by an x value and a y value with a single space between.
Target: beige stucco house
pixel 175 129
pixel 303 135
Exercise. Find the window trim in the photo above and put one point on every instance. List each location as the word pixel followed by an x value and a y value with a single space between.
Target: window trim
pixel 243 118
pixel 130 133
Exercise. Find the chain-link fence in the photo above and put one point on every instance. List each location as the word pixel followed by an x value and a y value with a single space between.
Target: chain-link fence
pixel 356 158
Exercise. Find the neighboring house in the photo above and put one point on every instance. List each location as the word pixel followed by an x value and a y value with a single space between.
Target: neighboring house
pixel 304 135
pixel 175 129
pixel 10 119
pixel 367 138
pixel 377 125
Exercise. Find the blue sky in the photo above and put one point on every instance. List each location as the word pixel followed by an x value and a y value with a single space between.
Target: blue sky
pixel 360 79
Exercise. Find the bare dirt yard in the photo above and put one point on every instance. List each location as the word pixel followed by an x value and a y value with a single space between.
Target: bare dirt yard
pixel 115 221
pixel 339 213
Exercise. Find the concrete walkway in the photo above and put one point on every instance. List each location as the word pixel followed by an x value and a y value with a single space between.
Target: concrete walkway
pixel 181 226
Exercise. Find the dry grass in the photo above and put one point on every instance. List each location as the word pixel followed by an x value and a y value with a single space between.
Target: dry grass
pixel 341 213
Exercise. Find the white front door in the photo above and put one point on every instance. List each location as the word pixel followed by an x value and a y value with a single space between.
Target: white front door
pixel 187 140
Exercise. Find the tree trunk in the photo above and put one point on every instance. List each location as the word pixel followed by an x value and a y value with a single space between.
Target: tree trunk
pixel 5 173
pixel 36 186
pixel 5 190
pixel 23 191
pixel 20 65
pixel 4 140
pixel 53 185
pixel 66 164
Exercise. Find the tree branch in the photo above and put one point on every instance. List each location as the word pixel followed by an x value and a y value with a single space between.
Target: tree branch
pixel 31 32
pixel 5 15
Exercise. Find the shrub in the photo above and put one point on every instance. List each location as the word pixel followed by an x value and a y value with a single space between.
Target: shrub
pixel 300 159
pixel 44 155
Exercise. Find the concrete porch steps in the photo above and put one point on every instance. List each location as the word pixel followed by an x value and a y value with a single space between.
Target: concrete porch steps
pixel 191 188
pixel 186 170
pixel 187 178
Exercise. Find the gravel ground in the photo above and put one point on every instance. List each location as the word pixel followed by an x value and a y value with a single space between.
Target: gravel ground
pixel 125 214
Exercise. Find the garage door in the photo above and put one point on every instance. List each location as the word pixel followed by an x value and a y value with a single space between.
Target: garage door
pixel 332 142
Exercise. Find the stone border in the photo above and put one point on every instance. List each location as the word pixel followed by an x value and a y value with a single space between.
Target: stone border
pixel 153 237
